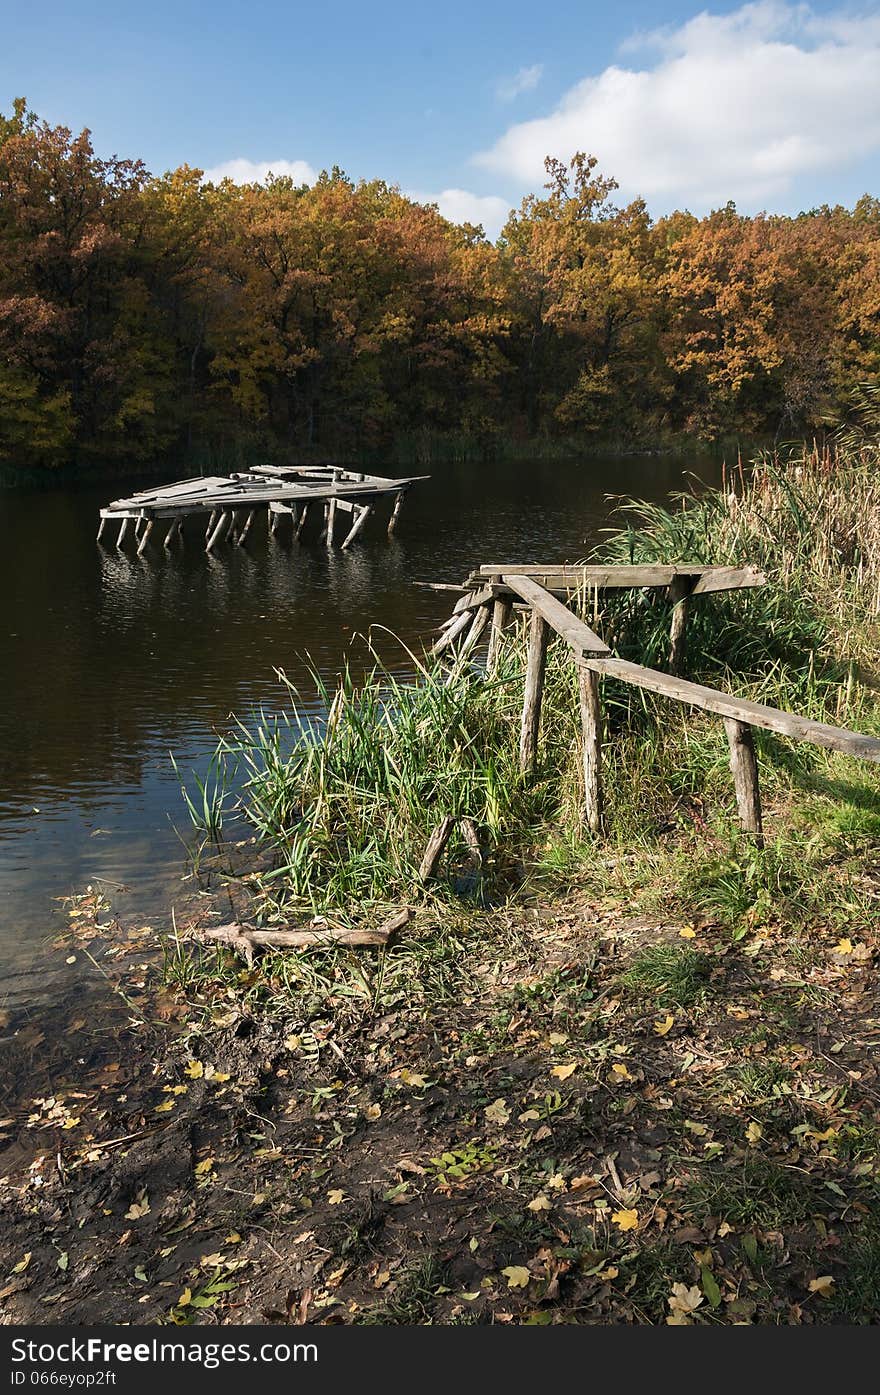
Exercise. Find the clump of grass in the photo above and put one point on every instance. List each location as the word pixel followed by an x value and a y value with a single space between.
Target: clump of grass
pixel 671 975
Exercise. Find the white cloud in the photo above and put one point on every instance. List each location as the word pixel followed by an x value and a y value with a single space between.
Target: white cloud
pixel 526 80
pixel 255 171
pixel 732 106
pixel 461 206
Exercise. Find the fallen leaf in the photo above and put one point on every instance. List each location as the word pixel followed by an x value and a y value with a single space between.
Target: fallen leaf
pixel 497 1112
pixel 683 1301
pixel 626 1219
pixel 137 1209
pixel 563 1072
pixel 540 1203
pixel 663 1024
pixel 823 1285
pixel 517 1276
pixel 335 1196
pixel 373 1111
pixel 204 1166
pixel 844 946
pixel 22 1263
pixel 754 1133
pixel 194 1069
pixel 687 933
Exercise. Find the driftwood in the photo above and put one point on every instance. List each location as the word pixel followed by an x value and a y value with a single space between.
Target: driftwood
pixel 246 941
pixel 435 845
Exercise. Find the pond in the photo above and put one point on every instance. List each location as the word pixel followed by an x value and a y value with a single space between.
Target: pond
pixel 111 662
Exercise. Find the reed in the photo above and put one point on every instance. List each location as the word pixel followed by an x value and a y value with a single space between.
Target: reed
pixel 348 799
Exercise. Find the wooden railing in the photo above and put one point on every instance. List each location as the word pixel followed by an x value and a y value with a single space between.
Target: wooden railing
pixel 489 598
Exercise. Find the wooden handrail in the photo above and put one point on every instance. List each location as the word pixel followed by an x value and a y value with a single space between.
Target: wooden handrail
pixel 568 576
pixel 754 714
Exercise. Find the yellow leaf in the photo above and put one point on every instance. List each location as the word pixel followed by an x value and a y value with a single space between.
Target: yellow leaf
pixel 293 1043
pixel 823 1285
pixel 233 1238
pixel 166 1107
pixel 754 1133
pixel 204 1166
pixel 541 1203
pixel 413 1078
pixel 563 1072
pixel 335 1196
pixel 620 1070
pixel 610 1273
pixel 558 1038
pixel 626 1220
pixel 687 933
pixel 137 1209
pixel 22 1263
pixel 373 1111
pixel 663 1024
pixel 185 1298
pixel 844 946
pixel 194 1069
pixel 517 1276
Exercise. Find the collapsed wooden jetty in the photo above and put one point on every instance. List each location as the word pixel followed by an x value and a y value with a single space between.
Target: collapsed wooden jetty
pixel 231 503
pixel 551 595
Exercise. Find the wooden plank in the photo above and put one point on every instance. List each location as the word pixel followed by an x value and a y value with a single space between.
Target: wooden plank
pixel 849 743
pixel 575 633
pixel 561 576
pixel 744 767
pixel 539 634
pixel 729 579
pixel 473 599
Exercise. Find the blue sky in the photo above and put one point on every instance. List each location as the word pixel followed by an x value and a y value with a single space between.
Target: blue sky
pixel 774 104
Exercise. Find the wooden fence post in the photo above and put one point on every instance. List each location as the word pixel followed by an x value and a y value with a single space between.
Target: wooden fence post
pixel 539 634
pixel 744 766
pixel 501 613
pixel 591 733
pixel 679 591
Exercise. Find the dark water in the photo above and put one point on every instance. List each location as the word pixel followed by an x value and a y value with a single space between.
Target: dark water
pixel 110 661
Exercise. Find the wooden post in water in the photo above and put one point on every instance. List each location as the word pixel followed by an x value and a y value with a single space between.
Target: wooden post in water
pixel 501 612
pixel 539 634
pixel 591 734
pixel 222 526
pixel 395 512
pixel 679 591
pixel 331 520
pixel 361 516
pixel 242 536
pixel 744 765
pixel 102 524
pixel 124 527
pixel 145 537
pixel 212 523
pixel 174 532
pixel 301 523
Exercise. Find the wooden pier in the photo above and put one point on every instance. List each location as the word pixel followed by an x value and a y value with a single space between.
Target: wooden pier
pixel 337 500
pixel 550 597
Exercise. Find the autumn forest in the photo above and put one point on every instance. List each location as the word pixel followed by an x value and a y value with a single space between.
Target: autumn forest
pixel 146 317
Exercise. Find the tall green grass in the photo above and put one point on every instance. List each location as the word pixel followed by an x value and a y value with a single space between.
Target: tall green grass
pixel 347 800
